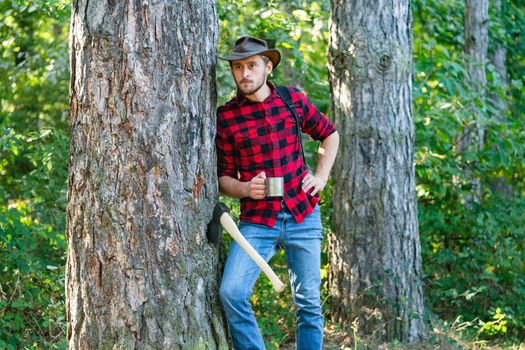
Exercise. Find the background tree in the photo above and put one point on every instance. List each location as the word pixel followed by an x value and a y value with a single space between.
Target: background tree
pixel 498 59
pixel 142 181
pixel 476 47
pixel 375 271
pixel 498 56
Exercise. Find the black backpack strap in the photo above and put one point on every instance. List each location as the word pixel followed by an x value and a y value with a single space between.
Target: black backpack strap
pixel 287 99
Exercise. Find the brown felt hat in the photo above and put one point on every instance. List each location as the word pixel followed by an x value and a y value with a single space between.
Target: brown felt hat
pixel 248 46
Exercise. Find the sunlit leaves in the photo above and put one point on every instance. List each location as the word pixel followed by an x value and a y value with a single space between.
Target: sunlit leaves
pixel 34 73
pixel 472 253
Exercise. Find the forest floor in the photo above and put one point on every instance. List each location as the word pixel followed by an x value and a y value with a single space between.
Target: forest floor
pixel 437 340
pixel 339 340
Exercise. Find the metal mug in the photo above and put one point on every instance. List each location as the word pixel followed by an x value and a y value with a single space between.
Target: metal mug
pixel 274 186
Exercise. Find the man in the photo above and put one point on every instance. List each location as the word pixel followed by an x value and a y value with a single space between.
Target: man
pixel 257 138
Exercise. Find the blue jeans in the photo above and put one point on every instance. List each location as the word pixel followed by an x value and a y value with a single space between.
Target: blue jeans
pixel 302 247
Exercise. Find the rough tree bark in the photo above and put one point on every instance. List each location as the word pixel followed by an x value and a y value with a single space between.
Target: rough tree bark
pixel 475 47
pixel 375 258
pixel 142 180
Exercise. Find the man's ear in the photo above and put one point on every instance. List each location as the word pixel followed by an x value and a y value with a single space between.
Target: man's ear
pixel 269 67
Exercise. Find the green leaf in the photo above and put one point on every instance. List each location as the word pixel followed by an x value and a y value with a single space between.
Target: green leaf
pixel 19 304
pixel 517 84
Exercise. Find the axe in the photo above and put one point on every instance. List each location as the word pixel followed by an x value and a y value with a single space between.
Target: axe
pixel 221 216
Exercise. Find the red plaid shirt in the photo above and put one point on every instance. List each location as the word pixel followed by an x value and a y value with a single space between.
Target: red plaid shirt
pixel 255 136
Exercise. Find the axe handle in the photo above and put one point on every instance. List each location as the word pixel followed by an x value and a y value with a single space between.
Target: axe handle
pixel 230 226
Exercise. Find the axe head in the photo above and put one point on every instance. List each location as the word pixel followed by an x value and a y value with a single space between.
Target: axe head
pixel 214 226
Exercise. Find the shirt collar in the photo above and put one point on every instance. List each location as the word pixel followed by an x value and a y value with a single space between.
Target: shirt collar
pixel 241 99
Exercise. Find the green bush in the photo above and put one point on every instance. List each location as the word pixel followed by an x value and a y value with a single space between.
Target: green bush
pixel 32 296
pixel 32 241
pixel 472 242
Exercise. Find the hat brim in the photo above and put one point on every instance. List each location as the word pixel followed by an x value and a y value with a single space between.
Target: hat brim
pixel 272 54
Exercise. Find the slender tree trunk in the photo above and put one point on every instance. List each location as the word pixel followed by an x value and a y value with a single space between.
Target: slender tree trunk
pixel 499 60
pixel 142 180
pixel 476 43
pixel 375 257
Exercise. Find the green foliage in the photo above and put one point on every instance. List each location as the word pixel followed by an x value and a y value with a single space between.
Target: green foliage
pixel 32 309
pixel 33 167
pixel 32 242
pixel 34 68
pixel 497 326
pixel 472 251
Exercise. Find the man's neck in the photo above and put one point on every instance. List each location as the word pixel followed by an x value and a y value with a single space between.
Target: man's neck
pixel 261 94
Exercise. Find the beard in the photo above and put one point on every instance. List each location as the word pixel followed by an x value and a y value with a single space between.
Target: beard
pixel 250 91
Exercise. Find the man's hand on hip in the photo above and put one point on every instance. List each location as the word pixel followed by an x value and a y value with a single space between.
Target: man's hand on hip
pixel 313 182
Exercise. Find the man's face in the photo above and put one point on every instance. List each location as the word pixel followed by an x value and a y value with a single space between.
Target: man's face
pixel 250 74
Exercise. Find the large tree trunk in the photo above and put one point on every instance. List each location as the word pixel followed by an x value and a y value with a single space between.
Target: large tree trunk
pixel 142 179
pixel 375 258
pixel 476 43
